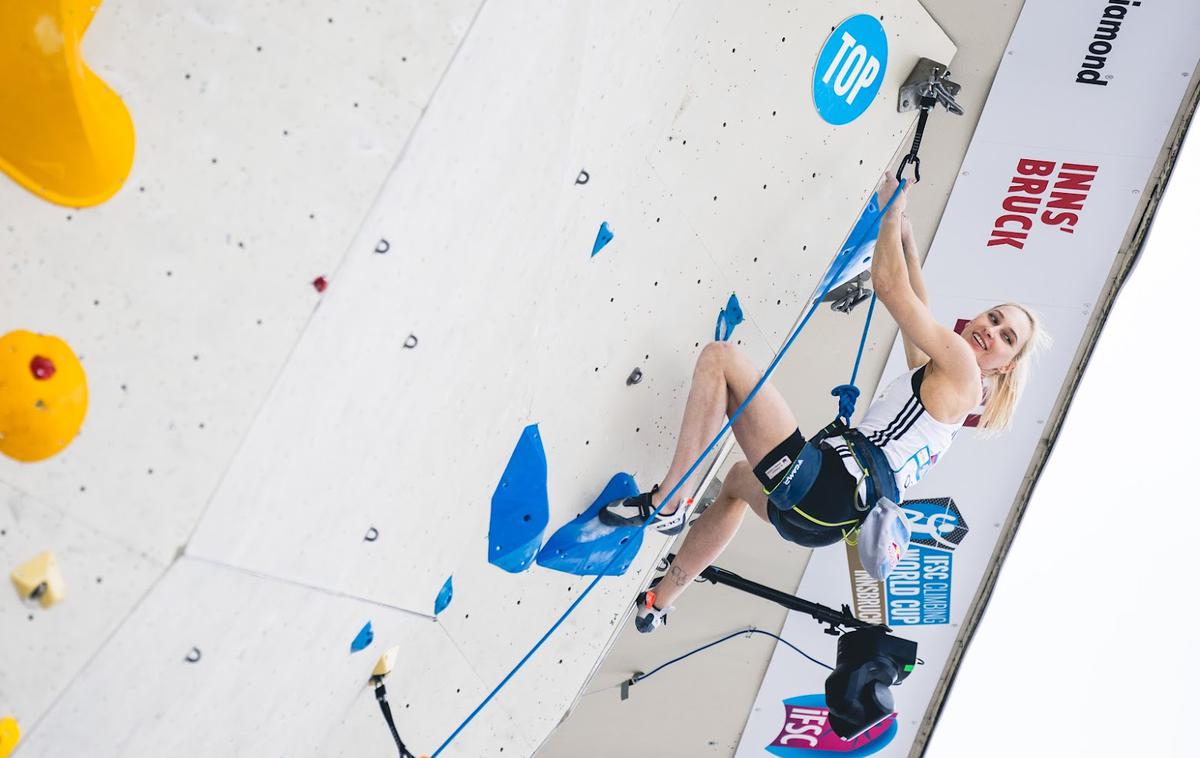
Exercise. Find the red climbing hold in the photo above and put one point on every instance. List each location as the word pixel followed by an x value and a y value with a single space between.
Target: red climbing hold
pixel 320 283
pixel 42 367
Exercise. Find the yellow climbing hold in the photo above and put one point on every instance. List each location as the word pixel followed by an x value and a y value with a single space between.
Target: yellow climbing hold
pixel 387 662
pixel 40 579
pixel 43 396
pixel 64 134
pixel 10 735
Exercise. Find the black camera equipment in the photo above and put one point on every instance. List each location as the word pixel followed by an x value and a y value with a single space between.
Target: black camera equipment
pixel 869 660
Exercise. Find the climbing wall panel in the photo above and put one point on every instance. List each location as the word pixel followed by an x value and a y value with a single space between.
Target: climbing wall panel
pixel 746 142
pixel 264 131
pixel 103 580
pixel 412 441
pixel 468 307
pixel 218 662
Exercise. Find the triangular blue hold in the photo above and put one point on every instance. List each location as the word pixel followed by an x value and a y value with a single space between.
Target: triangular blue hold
pixel 585 546
pixel 855 256
pixel 602 238
pixel 444 596
pixel 520 508
pixel 365 637
pixel 729 317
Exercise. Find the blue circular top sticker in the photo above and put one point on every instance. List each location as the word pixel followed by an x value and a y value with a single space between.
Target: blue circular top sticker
pixel 850 69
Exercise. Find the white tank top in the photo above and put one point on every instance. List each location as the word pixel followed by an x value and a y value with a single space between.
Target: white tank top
pixel 898 424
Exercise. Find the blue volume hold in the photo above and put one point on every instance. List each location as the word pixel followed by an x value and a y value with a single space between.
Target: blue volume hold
pixel 365 637
pixel 585 546
pixel 604 237
pixel 729 317
pixel 520 507
pixel 855 257
pixel 444 596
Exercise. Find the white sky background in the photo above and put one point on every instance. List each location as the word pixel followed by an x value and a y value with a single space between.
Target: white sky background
pixel 1088 647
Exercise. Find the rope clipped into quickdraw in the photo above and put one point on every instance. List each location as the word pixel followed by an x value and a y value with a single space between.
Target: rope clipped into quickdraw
pixel 936 89
pixel 916 143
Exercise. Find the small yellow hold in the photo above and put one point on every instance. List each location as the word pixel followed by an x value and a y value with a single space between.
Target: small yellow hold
pixel 10 735
pixel 40 579
pixel 387 662
pixel 43 396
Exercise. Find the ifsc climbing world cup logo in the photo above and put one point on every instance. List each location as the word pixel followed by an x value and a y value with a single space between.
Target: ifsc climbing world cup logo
pixel 917 592
pixel 806 732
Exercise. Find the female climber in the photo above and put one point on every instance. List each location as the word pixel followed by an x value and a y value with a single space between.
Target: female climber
pixel 817 495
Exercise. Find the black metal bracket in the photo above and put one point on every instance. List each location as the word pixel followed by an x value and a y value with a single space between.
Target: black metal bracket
pixel 838 620
pixel 928 79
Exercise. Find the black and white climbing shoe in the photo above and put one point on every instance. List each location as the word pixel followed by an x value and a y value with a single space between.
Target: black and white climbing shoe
pixel 634 511
pixel 649 618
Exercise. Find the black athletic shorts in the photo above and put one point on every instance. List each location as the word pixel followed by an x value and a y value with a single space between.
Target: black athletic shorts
pixel 810 494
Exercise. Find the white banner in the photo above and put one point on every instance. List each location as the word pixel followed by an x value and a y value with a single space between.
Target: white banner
pixel 1077 115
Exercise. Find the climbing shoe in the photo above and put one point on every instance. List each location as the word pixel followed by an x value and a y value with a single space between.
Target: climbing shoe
pixel 634 511
pixel 648 617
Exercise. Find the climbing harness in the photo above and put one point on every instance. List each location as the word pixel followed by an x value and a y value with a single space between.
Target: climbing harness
pixel 847 395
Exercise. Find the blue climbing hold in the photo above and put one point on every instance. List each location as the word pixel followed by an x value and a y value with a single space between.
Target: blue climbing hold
pixel 729 317
pixel 855 256
pixel 365 637
pixel 602 238
pixel 520 507
pixel 586 547
pixel 444 596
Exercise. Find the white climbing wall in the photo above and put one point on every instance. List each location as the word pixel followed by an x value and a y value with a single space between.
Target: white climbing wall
pixel 695 125
pixel 264 132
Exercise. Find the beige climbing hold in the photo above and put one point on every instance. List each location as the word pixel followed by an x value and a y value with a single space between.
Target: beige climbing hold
pixel 40 579
pixel 387 662
pixel 10 735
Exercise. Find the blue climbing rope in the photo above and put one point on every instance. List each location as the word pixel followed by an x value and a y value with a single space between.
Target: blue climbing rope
pixel 687 475
pixel 847 394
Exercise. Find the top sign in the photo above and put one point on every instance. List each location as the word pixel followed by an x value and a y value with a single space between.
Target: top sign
pixel 850 69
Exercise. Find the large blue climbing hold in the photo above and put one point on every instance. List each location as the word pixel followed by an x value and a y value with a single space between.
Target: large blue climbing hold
pixel 586 547
pixel 444 596
pixel 729 317
pixel 855 256
pixel 520 508
pixel 604 237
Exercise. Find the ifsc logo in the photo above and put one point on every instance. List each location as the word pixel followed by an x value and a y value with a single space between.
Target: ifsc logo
pixel 806 732
pixel 850 69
